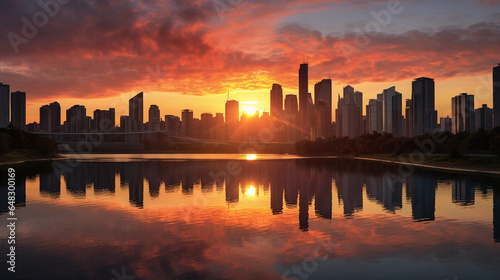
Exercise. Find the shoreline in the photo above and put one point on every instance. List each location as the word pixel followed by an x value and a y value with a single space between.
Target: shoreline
pixel 470 170
pixel 30 160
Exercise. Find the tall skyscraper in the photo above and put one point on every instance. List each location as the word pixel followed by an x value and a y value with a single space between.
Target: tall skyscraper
pixel 445 124
pixel 424 114
pixel 104 121
pixel 483 118
pixel 187 123
pixel 76 119
pixel 292 117
pixel 207 131
pixel 219 127
pixel 173 123
pixel 323 101
pixel 349 114
pixel 496 95
pixel 232 119
pixel 55 111
pixel 4 105
pixel 409 118
pixel 276 101
pixel 303 91
pixel 136 111
pixel 154 119
pixel 18 109
pixel 462 110
pixel 393 115
pixel 374 113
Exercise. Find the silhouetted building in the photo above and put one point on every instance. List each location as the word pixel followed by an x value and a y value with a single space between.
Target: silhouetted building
pixel 18 109
pixel 4 105
pixel 136 112
pixel 207 131
pixel 154 118
pixel 292 117
pixel 409 119
pixel 173 123
pixel 462 110
pixel 422 190
pixel 483 118
pixel 349 114
pixel 393 116
pixel 445 124
pixel 424 114
pixel 104 121
pixel 277 112
pixel 76 119
pixel 187 123
pixel 374 113
pixel 232 119
pixel 219 127
pixel 496 95
pixel 323 103
pixel 303 91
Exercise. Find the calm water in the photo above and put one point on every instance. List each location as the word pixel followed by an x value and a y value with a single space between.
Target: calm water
pixel 249 217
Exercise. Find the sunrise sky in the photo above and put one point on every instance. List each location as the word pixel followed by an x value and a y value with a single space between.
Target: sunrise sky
pixel 189 54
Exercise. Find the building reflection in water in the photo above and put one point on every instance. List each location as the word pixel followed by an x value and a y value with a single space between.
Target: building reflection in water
pixel 290 183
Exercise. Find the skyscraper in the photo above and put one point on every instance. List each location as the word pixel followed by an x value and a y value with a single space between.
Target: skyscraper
pixel 462 110
pixel 76 119
pixel 136 112
pixel 207 131
pixel 483 118
pixel 104 121
pixel 393 115
pixel 292 117
pixel 187 123
pixel 349 114
pixel 424 114
pixel 154 118
pixel 323 98
pixel 276 101
pixel 45 119
pixel 409 118
pixel 374 115
pixel 232 119
pixel 55 111
pixel 4 105
pixel 303 91
pixel 445 124
pixel 18 109
pixel 496 95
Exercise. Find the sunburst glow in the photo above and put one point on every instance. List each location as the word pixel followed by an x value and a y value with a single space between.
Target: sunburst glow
pixel 251 156
pixel 250 191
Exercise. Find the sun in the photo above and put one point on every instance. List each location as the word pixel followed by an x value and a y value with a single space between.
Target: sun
pixel 250 191
pixel 251 156
pixel 249 110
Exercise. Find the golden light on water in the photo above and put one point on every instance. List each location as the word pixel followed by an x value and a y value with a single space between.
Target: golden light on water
pixel 251 156
pixel 250 191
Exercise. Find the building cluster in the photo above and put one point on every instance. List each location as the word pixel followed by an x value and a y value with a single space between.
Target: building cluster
pixel 291 118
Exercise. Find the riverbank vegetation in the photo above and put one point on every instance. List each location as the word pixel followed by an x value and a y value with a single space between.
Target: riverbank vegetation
pixel 17 145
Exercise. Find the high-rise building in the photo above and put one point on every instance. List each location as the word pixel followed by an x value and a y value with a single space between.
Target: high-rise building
pixel 483 118
pixel 303 91
pixel 349 114
pixel 393 115
pixel 4 105
pixel 76 119
pixel 445 124
pixel 136 112
pixel 277 112
pixel 292 117
pixel 496 95
pixel 173 123
pixel 276 101
pixel 55 111
pixel 104 121
pixel 232 119
pixel 18 109
pixel 409 118
pixel 207 131
pixel 374 114
pixel 424 114
pixel 187 123
pixel 462 110
pixel 45 119
pixel 323 101
pixel 154 118
pixel 219 127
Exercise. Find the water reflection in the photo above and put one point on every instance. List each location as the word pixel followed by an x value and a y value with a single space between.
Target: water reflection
pixel 296 183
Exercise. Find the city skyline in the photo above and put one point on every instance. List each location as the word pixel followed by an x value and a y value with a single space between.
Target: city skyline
pixel 314 116
pixel 193 53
